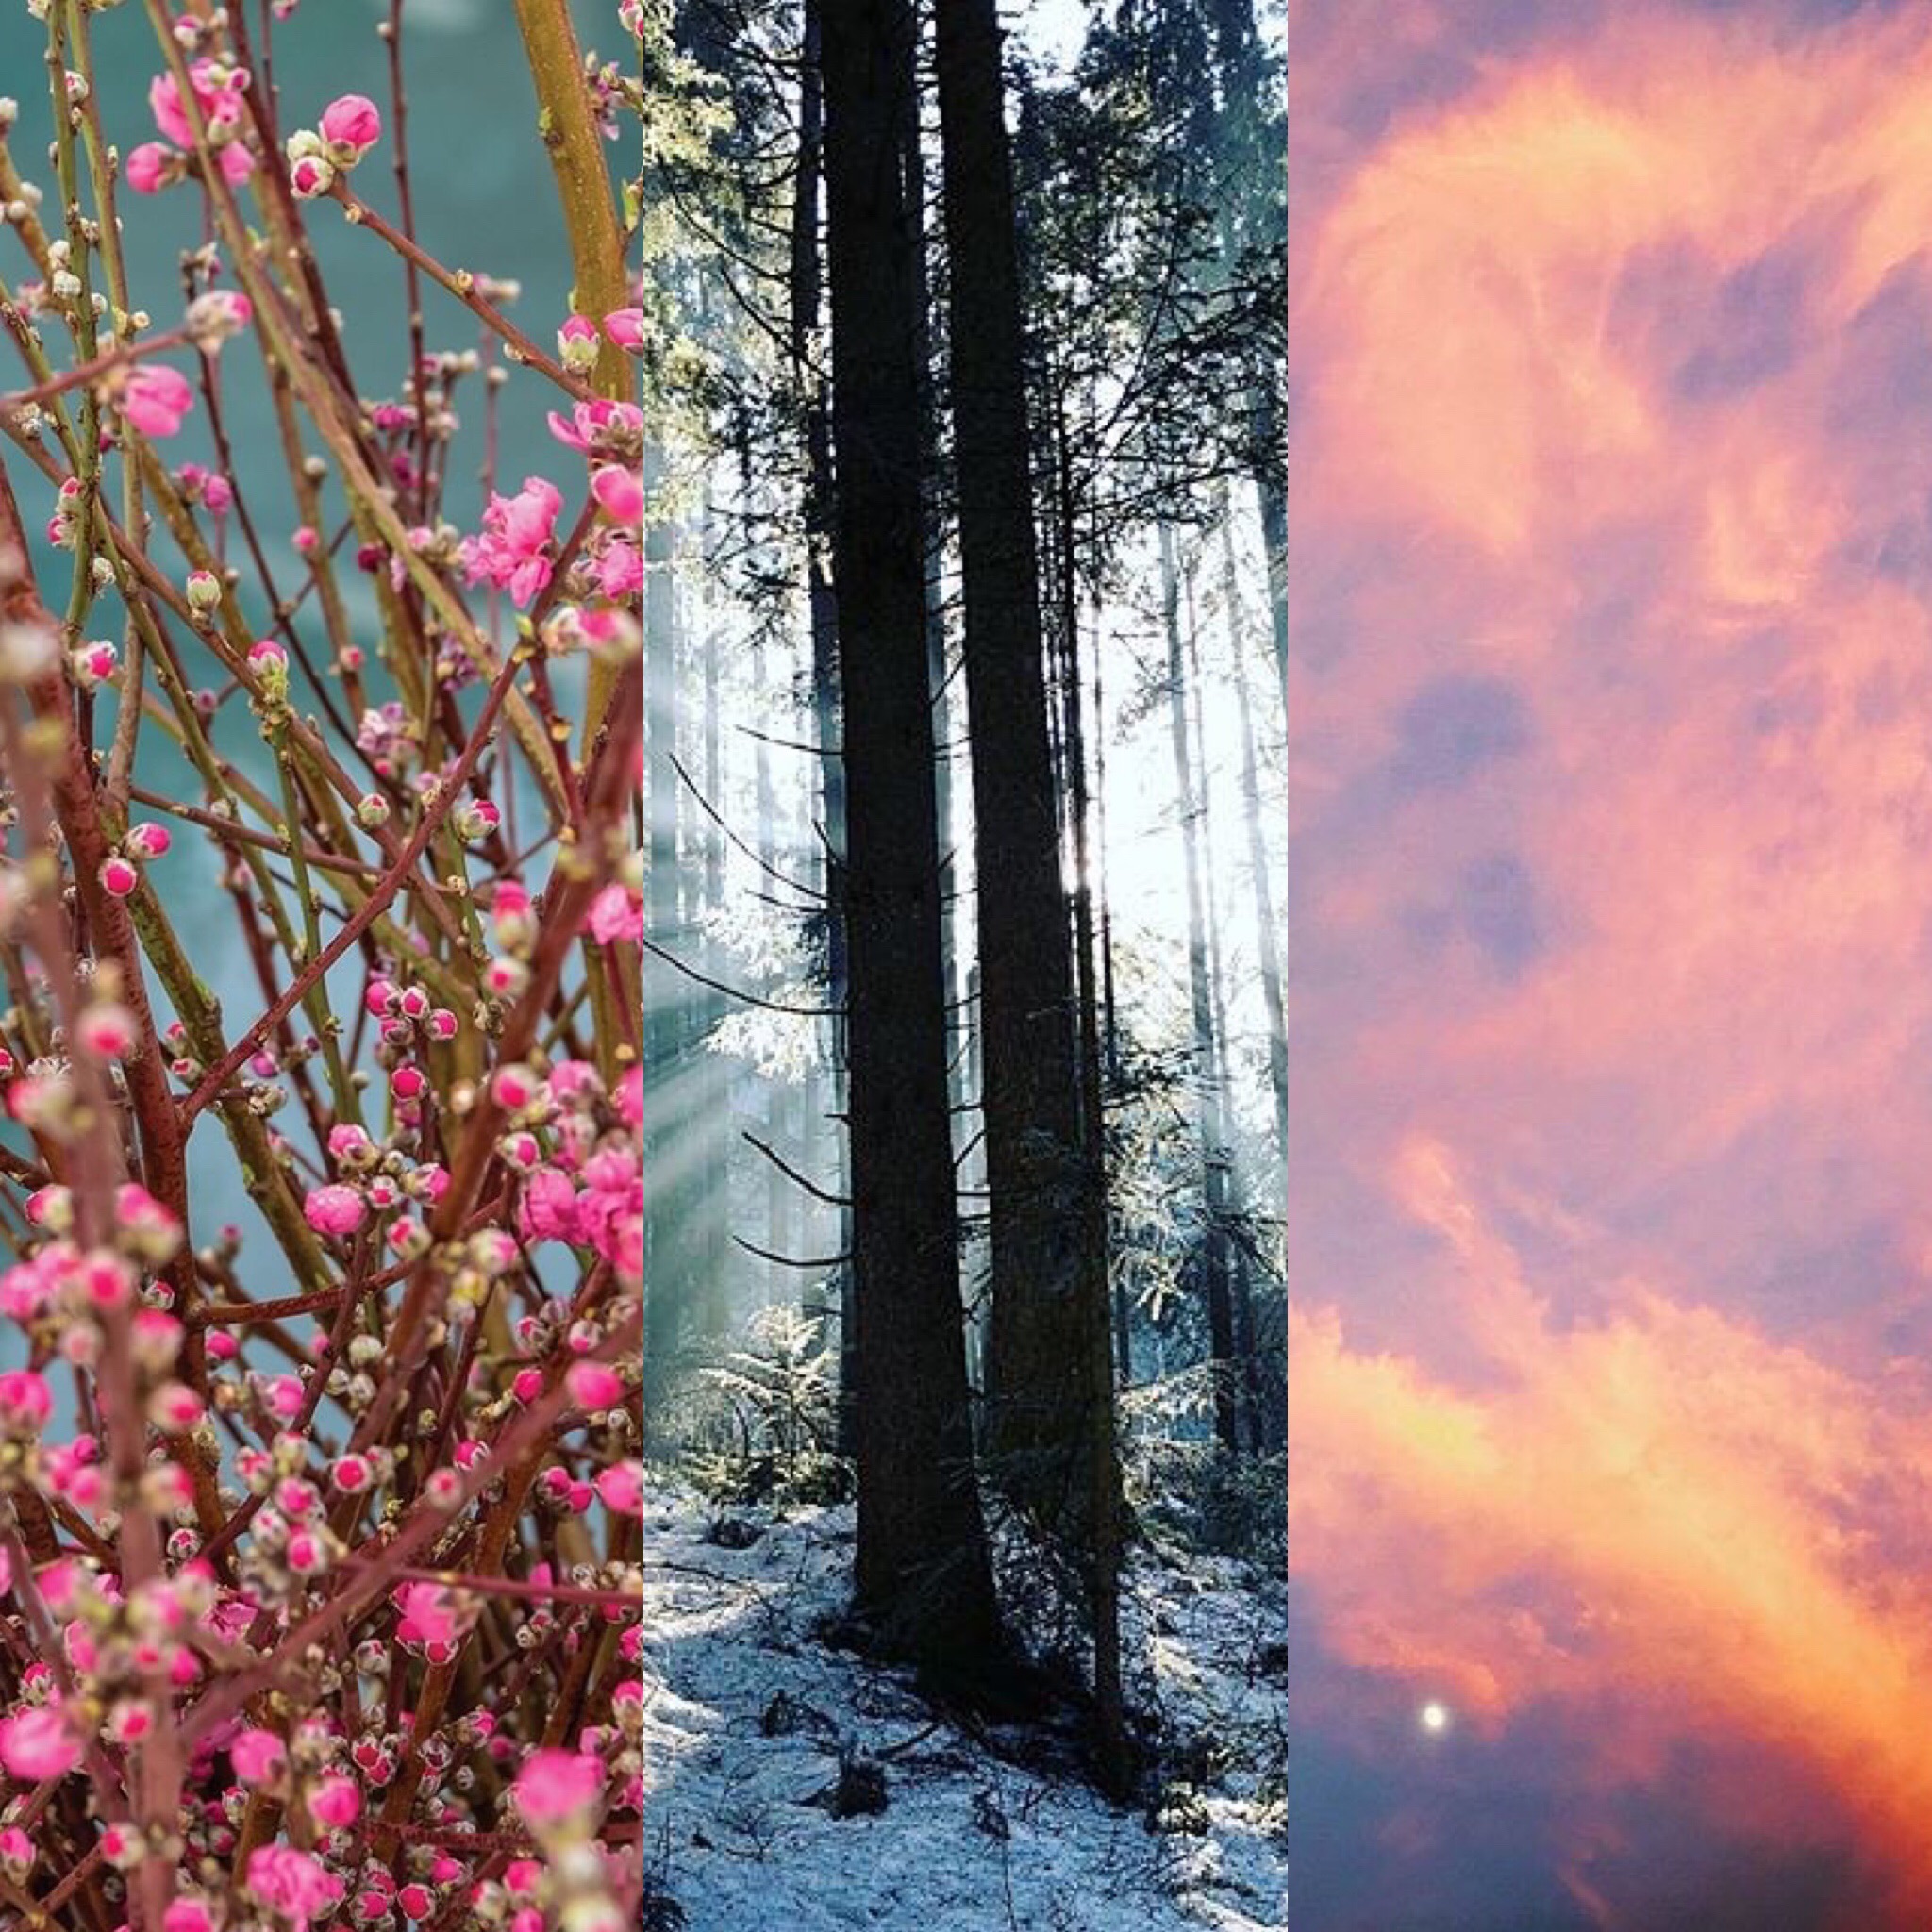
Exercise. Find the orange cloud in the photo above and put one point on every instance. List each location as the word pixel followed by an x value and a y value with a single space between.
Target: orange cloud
pixel 1610 795
pixel 1656 1510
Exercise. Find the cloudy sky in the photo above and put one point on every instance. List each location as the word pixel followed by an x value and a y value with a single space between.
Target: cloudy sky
pixel 1611 899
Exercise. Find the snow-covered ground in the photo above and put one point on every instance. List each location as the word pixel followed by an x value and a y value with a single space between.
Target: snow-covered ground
pixel 749 1713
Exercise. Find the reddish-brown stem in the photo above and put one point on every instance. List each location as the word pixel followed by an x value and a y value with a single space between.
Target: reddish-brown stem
pixel 522 349
pixel 368 913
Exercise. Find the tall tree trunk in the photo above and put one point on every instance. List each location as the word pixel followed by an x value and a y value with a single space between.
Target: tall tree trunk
pixel 778 1092
pixel 803 293
pixel 665 1259
pixel 711 1184
pixel 1104 1495
pixel 1268 938
pixel 1027 1016
pixel 1221 1114
pixel 925 1578
pixel 1214 1268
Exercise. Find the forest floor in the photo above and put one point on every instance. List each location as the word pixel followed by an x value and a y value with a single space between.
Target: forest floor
pixel 750 1715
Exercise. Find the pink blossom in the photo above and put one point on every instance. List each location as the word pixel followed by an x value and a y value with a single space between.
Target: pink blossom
pixel 550 1206
pixel 351 126
pixel 511 551
pixel 291 1883
pixel 118 877
pixel 619 570
pixel 427 1614
pixel 150 167
pixel 37 1745
pixel 221 107
pixel 334 1210
pixel 601 428
pixel 188 1915
pixel 556 1786
pixel 26 1402
pixel 156 398
pixel 617 913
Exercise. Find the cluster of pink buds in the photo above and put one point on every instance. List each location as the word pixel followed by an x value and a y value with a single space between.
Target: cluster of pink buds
pixel 351 126
pixel 121 869
pixel 63 529
pixel 218 90
pixel 386 737
pixel 577 1147
pixel 209 487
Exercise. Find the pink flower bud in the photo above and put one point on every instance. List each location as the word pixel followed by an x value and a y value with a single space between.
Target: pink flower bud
pixel 334 1210
pixel 621 494
pixel 308 1554
pixel 528 1385
pixel 576 344
pixel 407 1083
pixel 334 1803
pixel 592 1385
pixel 36 1745
pixel 625 328
pixel 621 1488
pixel 284 1395
pixel 514 1087
pixel 148 841
pixel 351 126
pixel 118 877
pixel 93 663
pixel 257 1756
pixel 173 1407
pixel 311 175
pixel 105 1031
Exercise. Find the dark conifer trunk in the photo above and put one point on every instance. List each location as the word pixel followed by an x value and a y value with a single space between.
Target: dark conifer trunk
pixel 804 292
pixel 925 1578
pixel 1031 1094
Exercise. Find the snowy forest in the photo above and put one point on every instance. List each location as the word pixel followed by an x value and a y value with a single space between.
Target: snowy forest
pixel 644 668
